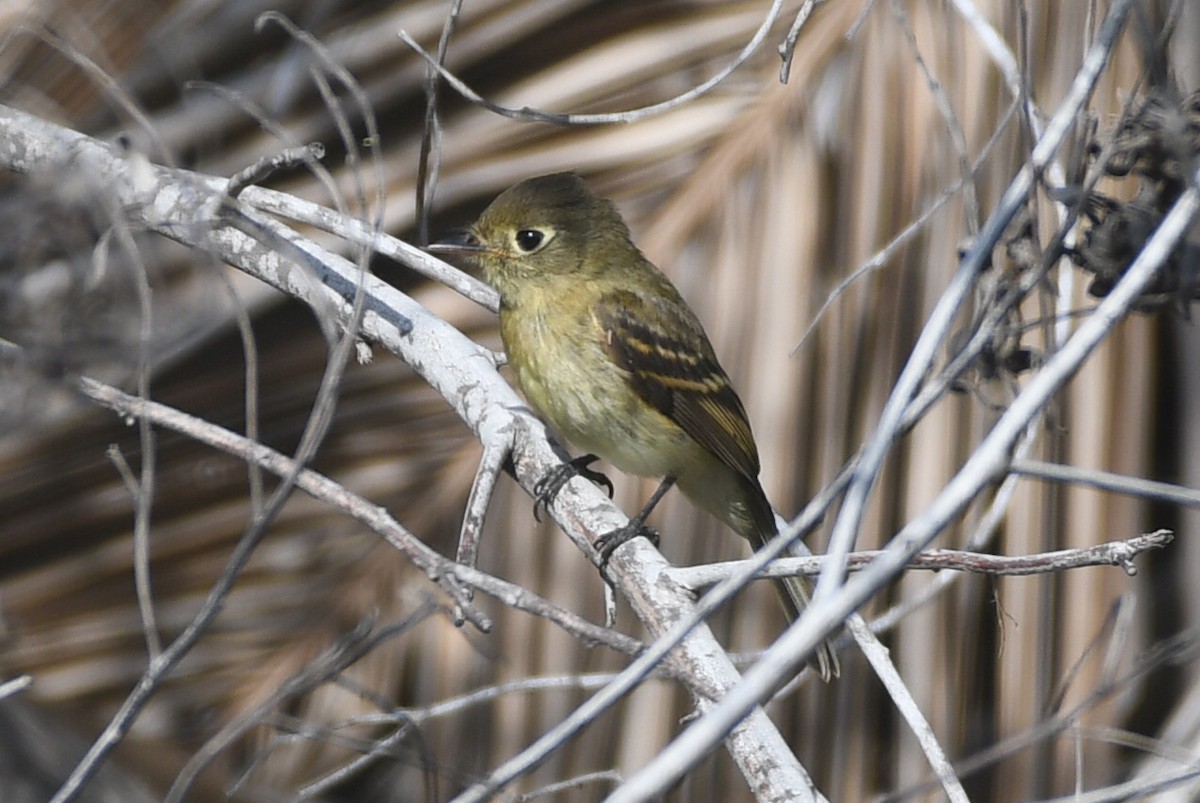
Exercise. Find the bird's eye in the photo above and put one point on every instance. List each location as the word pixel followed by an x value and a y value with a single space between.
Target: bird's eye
pixel 529 240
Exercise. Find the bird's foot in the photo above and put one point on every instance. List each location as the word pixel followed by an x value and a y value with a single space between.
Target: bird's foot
pixel 548 487
pixel 608 543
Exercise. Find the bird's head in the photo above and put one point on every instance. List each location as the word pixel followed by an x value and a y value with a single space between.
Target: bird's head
pixel 542 228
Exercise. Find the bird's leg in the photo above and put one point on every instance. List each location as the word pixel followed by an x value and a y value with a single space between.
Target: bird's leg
pixel 608 543
pixel 548 486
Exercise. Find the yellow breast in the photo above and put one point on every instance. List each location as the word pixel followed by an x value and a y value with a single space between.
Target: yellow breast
pixel 564 371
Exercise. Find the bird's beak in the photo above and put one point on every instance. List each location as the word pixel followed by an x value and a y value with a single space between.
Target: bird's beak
pixel 458 242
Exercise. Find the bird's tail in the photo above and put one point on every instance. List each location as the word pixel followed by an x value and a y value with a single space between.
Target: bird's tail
pixel 794 592
pixel 742 504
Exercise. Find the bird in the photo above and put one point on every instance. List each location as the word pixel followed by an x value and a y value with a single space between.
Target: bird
pixel 607 352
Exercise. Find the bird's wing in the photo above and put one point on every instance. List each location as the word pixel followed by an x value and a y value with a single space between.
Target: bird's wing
pixel 673 367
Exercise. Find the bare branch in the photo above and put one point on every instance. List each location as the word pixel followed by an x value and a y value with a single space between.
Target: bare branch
pixel 787 50
pixel 15 686
pixel 558 118
pixel 877 655
pixel 265 167
pixel 497 446
pixel 1108 481
pixel 1113 553
pixel 942 102
pixel 353 230
pixel 141 556
pixel 450 575
pixel 429 161
pixel 610 777
pixel 435 566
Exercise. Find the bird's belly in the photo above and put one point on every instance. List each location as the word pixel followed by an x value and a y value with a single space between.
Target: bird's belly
pixel 587 400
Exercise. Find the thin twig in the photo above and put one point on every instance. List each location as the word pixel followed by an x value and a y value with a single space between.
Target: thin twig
pixel 1108 481
pixel 141 556
pixel 273 127
pixel 112 90
pixel 15 686
pixel 352 230
pixel 430 158
pixel 438 568
pixel 1112 553
pixel 880 660
pixel 143 489
pixel 365 109
pixel 533 115
pixel 1112 630
pixel 497 446
pixel 377 749
pixel 265 167
pixel 611 777
pixel 448 573
pixel 945 108
pixel 787 50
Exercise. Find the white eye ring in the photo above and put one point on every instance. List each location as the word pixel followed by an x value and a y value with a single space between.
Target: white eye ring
pixel 531 240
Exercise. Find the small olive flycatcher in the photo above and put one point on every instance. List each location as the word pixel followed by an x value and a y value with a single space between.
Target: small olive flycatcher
pixel 609 354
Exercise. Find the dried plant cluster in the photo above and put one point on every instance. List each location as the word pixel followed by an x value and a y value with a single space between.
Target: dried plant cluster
pixel 1149 154
pixel 233 558
pixel 1154 148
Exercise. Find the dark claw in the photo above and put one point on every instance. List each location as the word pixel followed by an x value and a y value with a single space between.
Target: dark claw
pixel 598 477
pixel 548 486
pixel 608 543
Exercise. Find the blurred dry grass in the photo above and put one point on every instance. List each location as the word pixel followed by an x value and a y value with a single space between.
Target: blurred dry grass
pixel 757 199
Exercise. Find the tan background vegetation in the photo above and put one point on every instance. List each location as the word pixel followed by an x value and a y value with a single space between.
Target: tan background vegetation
pixel 757 199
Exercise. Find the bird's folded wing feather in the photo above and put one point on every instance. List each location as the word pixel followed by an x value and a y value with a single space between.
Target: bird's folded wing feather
pixel 673 367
